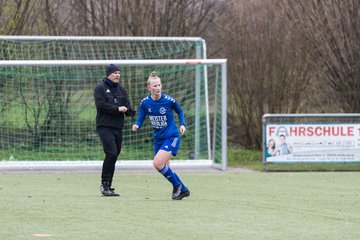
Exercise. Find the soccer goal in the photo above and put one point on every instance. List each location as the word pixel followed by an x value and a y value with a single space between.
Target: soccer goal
pixel 48 112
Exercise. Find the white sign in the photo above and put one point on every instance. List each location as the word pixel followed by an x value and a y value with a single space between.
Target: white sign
pixel 312 143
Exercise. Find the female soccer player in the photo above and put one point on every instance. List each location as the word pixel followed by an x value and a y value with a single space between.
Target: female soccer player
pixel 159 107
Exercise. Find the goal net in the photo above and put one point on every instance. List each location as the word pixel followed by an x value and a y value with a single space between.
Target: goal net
pixel 100 48
pixel 47 109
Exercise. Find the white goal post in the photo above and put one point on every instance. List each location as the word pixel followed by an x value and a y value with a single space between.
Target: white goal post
pixel 216 113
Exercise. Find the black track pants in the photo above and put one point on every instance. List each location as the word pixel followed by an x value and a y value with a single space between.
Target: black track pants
pixel 111 139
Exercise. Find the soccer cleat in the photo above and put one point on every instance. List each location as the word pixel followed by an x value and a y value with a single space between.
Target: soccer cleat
pixel 178 195
pixel 182 195
pixel 107 192
pixel 113 191
pixel 176 191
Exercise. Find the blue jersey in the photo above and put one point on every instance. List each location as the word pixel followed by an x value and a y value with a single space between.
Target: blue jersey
pixel 161 116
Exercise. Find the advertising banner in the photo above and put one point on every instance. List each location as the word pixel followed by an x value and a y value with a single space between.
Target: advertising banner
pixel 312 143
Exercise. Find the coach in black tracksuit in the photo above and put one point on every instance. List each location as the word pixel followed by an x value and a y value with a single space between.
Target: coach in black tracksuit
pixel 112 103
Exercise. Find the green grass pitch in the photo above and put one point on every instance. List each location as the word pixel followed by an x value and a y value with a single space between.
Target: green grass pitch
pixel 222 205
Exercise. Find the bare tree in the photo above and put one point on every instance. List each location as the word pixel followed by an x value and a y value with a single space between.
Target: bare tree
pixel 333 27
pixel 55 20
pixel 17 17
pixel 269 70
pixel 142 18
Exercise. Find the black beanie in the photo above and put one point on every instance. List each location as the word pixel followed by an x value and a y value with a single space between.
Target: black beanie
pixel 111 68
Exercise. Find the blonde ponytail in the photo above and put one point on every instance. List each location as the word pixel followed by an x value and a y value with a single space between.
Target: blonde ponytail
pixel 153 75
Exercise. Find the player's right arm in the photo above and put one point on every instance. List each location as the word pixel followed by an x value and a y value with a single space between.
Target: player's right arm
pixel 140 118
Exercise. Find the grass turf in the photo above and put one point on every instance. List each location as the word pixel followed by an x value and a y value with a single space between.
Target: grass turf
pixel 221 206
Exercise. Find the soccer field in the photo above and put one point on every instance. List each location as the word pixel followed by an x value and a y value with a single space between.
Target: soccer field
pixel 222 205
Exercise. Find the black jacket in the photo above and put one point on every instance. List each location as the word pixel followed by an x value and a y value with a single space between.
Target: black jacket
pixel 107 103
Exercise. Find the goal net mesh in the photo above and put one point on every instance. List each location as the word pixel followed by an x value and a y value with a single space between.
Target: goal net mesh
pixel 48 112
pixel 99 48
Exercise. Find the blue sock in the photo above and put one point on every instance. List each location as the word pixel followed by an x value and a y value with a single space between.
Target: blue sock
pixel 183 188
pixel 170 176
